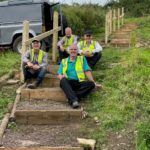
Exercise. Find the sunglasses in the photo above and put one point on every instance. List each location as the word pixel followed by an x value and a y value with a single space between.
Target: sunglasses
pixel 73 49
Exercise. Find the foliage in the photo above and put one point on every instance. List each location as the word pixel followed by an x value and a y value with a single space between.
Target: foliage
pixel 133 8
pixel 8 61
pixel 124 98
pixel 83 17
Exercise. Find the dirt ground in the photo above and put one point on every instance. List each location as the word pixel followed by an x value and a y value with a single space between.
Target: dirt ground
pixel 36 136
pixel 42 105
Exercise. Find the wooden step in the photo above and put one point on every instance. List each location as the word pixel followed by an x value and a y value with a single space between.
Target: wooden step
pixel 42 137
pixel 120 42
pixel 48 117
pixel 52 69
pixel 55 94
pixel 42 148
pixel 46 112
pixel 50 81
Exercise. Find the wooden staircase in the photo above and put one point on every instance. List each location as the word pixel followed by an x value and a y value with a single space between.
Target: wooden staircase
pixel 122 38
pixel 44 120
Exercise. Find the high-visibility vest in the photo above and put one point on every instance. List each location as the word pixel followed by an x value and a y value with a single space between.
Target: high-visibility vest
pixel 40 56
pixel 68 41
pixel 91 46
pixel 78 67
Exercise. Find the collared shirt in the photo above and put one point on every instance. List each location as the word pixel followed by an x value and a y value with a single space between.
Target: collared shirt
pixel 62 41
pixel 98 47
pixel 71 72
pixel 26 57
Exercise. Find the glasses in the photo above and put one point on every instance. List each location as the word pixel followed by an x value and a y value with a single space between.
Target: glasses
pixel 88 35
pixel 73 49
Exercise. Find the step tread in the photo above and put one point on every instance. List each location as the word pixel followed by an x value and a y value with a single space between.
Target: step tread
pixel 37 136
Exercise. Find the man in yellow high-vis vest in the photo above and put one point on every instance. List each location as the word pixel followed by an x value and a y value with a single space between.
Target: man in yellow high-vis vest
pixel 34 64
pixel 90 49
pixel 72 73
pixel 65 42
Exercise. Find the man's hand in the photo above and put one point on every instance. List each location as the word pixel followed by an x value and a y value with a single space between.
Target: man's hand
pixel 29 64
pixel 36 67
pixel 62 49
pixel 61 76
pixel 88 54
pixel 98 86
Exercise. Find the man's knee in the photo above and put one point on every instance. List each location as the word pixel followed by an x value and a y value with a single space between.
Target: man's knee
pixel 63 81
pixel 91 84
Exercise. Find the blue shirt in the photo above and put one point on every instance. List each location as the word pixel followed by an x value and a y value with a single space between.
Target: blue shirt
pixel 71 72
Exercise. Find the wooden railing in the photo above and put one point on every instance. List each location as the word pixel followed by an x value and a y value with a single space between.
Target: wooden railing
pixel 114 19
pixel 26 41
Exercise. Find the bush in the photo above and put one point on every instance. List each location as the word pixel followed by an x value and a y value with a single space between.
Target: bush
pixel 83 17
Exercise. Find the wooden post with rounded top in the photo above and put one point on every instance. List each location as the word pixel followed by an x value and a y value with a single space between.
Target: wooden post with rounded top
pixel 25 37
pixel 55 37
pixel 118 18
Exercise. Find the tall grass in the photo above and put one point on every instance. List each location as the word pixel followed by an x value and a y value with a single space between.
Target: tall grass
pixel 83 17
pixel 8 61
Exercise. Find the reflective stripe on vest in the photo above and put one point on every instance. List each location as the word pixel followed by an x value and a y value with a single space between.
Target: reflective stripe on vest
pixel 78 67
pixel 90 48
pixel 68 42
pixel 40 56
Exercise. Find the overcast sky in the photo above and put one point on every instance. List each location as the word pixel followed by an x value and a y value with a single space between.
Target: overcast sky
pixel 100 2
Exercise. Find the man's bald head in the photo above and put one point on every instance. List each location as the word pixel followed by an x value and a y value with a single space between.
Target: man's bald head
pixel 68 31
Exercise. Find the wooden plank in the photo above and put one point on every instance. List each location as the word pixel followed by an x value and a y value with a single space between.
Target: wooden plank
pixel 118 18
pixel 106 28
pixel 44 117
pixel 55 37
pixel 12 116
pixel 43 35
pixel 52 69
pixel 122 16
pixel 24 45
pixel 55 94
pixel 3 126
pixel 42 148
pixel 114 20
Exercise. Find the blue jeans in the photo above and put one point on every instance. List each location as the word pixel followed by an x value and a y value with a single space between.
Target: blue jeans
pixel 38 74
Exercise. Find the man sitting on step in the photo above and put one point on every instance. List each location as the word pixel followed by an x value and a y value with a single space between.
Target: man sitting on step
pixel 90 49
pixel 35 64
pixel 72 73
pixel 65 42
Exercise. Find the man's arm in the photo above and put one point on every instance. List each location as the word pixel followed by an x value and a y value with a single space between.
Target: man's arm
pixel 98 48
pixel 60 72
pixel 89 76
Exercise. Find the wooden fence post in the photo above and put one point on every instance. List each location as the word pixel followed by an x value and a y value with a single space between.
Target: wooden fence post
pixel 55 37
pixel 106 28
pixel 118 18
pixel 25 37
pixel 114 20
pixel 122 16
pixel 110 13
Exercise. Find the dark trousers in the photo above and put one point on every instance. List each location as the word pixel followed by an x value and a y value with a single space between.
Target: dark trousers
pixel 38 74
pixel 94 59
pixel 63 54
pixel 75 90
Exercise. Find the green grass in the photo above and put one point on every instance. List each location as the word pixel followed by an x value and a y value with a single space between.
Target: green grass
pixel 9 61
pixel 124 99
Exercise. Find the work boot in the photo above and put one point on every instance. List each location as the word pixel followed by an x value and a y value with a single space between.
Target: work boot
pixel 75 104
pixel 33 85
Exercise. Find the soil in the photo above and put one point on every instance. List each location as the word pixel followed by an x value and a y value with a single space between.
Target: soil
pixel 123 140
pixel 42 105
pixel 38 136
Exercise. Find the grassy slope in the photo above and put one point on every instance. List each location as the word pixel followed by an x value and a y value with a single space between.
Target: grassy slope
pixel 124 100
pixel 8 61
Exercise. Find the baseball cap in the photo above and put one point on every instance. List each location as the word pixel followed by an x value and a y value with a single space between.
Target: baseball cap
pixel 35 40
pixel 88 32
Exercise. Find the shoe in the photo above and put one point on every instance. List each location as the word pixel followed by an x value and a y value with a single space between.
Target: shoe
pixel 33 85
pixel 75 104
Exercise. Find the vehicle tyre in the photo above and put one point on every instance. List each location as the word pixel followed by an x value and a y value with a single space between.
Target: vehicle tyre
pixel 17 44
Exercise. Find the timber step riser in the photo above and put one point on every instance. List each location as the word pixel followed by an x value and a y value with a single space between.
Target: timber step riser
pixel 45 117
pixel 55 94
pixel 43 148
